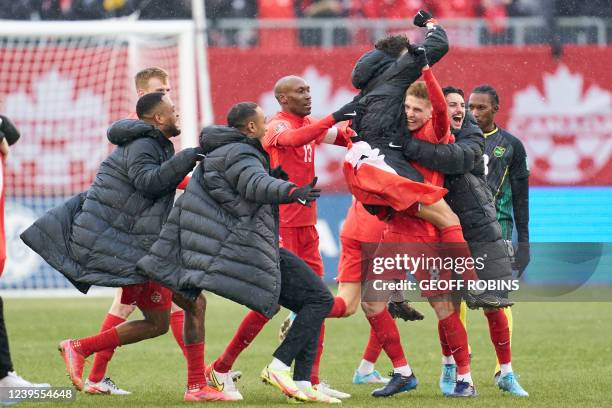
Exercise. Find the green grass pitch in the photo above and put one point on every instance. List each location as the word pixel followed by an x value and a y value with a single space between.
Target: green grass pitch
pixel 562 352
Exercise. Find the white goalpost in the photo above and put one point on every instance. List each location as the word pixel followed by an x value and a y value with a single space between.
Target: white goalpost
pixel 63 84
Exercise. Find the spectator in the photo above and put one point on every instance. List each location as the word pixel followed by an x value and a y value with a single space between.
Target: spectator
pixel 393 9
pixel 219 9
pixel 321 9
pixel 447 9
pixel 277 37
pixel 17 10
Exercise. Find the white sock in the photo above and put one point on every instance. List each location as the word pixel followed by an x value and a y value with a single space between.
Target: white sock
pixel 276 364
pixel 365 367
pixel 467 377
pixel 505 369
pixel 303 385
pixel 406 371
pixel 448 359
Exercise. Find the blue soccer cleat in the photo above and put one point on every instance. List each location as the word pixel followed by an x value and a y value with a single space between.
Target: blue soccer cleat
pixel 372 378
pixel 510 384
pixel 463 389
pixel 448 378
pixel 397 384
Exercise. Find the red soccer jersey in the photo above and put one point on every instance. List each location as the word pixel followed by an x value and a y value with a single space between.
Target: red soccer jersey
pixel 360 225
pixel 296 161
pixel 435 130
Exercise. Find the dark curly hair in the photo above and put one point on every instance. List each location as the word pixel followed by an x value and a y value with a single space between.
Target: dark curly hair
pixel 393 45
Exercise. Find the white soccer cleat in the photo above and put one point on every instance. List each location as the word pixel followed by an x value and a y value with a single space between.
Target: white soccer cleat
pixel 15 381
pixel 318 396
pixel 223 382
pixel 330 392
pixel 106 386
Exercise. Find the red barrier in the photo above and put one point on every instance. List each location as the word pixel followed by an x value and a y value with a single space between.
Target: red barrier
pixel 561 109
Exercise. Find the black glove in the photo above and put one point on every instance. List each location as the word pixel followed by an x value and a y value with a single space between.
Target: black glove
pixel 401 140
pixel 420 55
pixel 279 173
pixel 421 18
pixel 521 257
pixel 8 130
pixel 199 153
pixel 348 111
pixel 304 195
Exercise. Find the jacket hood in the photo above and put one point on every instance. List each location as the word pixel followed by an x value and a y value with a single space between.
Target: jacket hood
pixel 125 131
pixel 369 66
pixel 213 137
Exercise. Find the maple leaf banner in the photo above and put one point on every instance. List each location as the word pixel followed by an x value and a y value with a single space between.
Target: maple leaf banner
pixel 560 109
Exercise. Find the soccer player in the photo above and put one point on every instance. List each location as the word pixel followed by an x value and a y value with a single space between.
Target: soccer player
pixel 291 138
pixel 113 225
pixel 227 221
pixel 469 196
pixel 508 179
pixel 148 80
pixel 376 159
pixel 8 377
pixel 508 173
pixel 427 120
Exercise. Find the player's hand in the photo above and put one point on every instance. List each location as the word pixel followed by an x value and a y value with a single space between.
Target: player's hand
pixel 279 173
pixel 420 56
pixel 199 153
pixel 521 257
pixel 306 194
pixel 423 17
pixel 348 111
pixel 8 129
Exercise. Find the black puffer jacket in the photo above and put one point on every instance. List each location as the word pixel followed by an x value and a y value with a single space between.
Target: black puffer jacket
pixel 383 82
pixel 468 194
pixel 222 234
pixel 121 214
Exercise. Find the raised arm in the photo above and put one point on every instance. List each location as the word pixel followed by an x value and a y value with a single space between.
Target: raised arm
pixel 439 117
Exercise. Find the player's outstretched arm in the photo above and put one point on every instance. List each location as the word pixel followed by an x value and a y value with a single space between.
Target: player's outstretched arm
pixel 149 176
pixel 246 173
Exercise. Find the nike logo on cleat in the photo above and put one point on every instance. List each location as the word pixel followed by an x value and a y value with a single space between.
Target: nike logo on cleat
pixel 353 113
pixel 393 145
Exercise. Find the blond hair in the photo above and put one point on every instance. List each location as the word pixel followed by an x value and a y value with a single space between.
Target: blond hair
pixel 142 77
pixel 418 90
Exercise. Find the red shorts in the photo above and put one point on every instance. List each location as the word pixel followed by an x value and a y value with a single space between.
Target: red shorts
pixel 148 295
pixel 350 267
pixel 425 277
pixel 304 242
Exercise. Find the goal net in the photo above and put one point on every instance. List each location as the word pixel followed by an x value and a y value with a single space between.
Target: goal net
pixel 63 84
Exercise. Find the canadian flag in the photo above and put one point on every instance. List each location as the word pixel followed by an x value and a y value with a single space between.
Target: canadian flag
pixel 373 182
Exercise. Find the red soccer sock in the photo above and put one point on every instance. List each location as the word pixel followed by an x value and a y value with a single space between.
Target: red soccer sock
pixel 388 336
pixel 446 351
pixel 108 339
pixel 500 335
pixel 314 375
pixel 339 308
pixel 459 248
pixel 177 320
pixel 195 365
pixel 249 328
pixel 373 348
pixel 103 357
pixel 457 340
